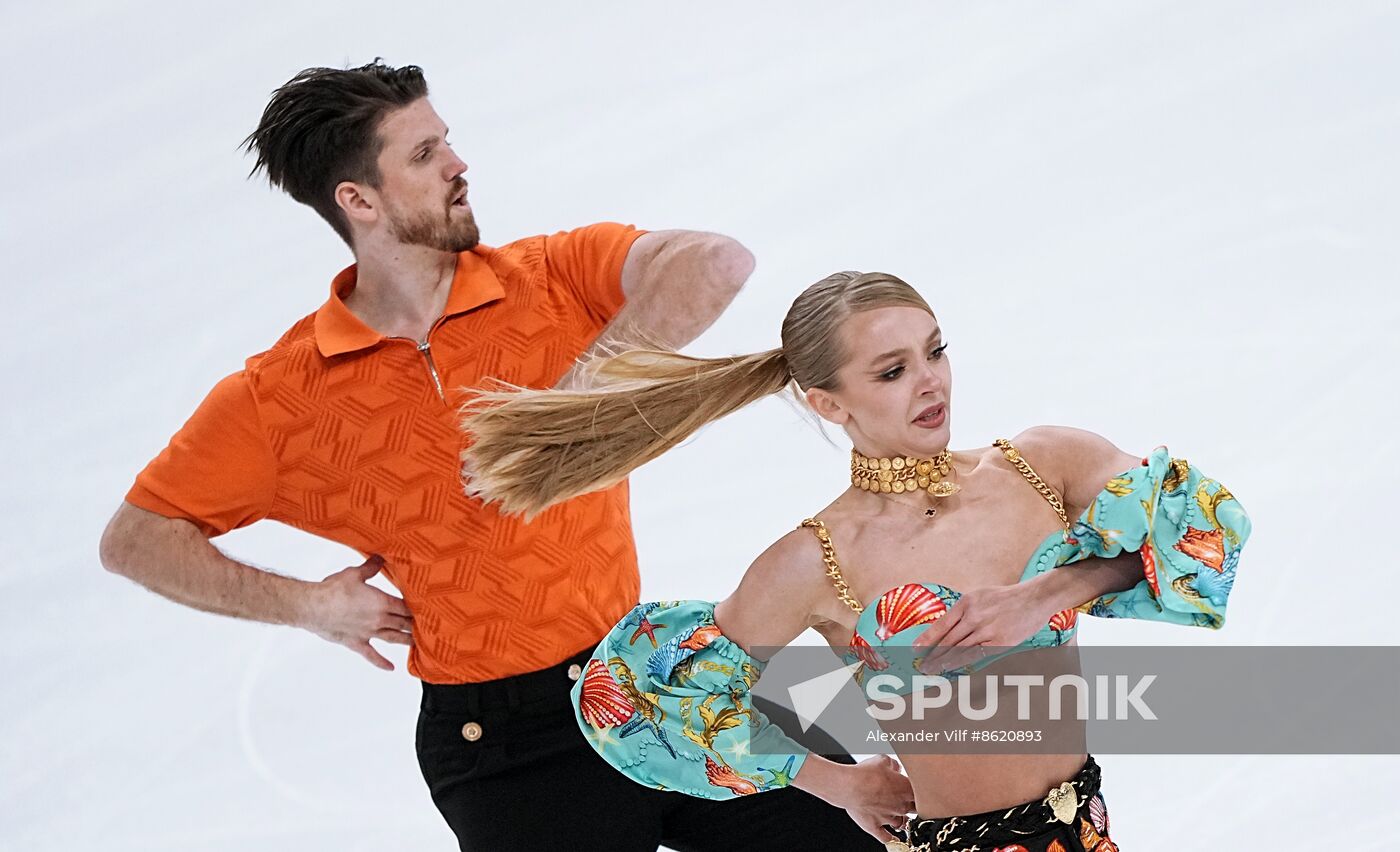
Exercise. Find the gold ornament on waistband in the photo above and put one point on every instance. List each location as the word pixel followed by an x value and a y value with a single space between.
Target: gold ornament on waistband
pixel 1063 802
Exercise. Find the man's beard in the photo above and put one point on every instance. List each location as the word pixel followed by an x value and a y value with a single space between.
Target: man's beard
pixel 436 232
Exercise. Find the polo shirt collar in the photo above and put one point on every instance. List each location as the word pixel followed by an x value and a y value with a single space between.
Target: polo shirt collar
pixel 338 330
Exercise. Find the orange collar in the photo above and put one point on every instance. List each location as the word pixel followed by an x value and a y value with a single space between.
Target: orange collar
pixel 338 330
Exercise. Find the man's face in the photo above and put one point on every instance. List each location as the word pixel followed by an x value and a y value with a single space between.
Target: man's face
pixel 421 187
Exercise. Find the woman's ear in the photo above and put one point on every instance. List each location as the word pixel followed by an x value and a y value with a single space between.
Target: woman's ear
pixel 826 406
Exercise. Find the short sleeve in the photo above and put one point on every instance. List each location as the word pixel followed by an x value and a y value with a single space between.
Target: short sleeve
pixel 1189 529
pixel 666 700
pixel 218 471
pixel 587 263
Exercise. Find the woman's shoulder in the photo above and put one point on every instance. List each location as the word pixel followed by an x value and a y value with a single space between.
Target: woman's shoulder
pixel 1074 462
pixel 796 565
pixel 789 560
pixel 779 595
pixel 1046 438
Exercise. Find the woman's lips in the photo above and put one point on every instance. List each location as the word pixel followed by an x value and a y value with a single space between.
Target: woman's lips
pixel 932 417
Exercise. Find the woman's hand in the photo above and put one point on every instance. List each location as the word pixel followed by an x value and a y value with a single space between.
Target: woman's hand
pixel 875 792
pixel 989 617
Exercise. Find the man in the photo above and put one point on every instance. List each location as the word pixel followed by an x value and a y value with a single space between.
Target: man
pixel 347 428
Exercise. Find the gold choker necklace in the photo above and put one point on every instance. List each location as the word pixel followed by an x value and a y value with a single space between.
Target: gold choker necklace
pixel 904 473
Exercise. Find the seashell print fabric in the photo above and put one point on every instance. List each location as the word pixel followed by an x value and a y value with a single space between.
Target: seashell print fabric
pixel 676 715
pixel 1189 529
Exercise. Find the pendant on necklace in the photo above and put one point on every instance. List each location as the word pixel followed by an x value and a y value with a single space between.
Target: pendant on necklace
pixel 930 512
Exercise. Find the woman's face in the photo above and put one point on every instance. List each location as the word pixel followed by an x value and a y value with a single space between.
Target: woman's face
pixel 894 390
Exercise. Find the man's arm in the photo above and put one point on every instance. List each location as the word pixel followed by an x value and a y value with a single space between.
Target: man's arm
pixel 170 556
pixel 676 284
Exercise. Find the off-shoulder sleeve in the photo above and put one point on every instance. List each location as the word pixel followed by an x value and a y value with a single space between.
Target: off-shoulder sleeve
pixel 1189 529
pixel 666 700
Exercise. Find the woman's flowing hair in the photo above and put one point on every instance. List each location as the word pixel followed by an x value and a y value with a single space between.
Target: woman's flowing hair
pixel 533 448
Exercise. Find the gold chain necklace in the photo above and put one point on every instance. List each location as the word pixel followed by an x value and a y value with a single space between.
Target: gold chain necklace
pixel 899 474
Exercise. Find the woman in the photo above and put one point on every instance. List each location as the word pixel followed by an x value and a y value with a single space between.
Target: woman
pixel 926 552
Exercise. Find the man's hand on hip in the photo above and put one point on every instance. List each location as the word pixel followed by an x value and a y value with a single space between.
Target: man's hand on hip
pixel 347 610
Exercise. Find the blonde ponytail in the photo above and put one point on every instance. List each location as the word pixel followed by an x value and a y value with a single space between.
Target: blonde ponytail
pixel 533 448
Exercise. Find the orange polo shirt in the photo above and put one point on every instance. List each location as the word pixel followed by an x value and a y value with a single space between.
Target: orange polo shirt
pixel 352 436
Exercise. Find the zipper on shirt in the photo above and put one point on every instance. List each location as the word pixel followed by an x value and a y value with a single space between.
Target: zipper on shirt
pixel 426 348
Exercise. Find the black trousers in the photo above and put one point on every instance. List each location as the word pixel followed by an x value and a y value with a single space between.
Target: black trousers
pixel 509 769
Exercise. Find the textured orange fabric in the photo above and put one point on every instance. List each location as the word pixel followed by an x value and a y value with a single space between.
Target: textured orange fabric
pixel 341 432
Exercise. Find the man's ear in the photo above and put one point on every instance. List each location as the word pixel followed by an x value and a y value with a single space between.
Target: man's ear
pixel 361 204
pixel 826 406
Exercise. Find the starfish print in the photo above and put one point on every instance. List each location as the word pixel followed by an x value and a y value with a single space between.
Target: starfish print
pixel 739 749
pixel 601 738
pixel 649 629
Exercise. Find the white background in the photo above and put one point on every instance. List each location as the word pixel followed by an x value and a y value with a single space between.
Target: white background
pixel 1171 223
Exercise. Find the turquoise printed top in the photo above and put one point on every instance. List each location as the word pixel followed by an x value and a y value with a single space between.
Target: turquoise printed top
pixel 1189 564
pixel 665 698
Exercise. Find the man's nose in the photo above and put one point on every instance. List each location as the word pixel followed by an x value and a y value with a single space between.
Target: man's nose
pixel 454 166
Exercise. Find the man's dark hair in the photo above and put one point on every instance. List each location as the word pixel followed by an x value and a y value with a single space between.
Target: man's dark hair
pixel 321 128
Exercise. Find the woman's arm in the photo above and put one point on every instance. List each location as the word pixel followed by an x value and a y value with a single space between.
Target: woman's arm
pixel 773 604
pixel 1076 464
pixel 1186 528
pixel 777 596
pixel 667 696
pixel 1005 616
pixel 1056 591
pixel 1084 463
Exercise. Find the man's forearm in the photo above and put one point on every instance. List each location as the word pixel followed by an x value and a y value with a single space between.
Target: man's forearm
pixel 679 291
pixel 675 290
pixel 173 559
pixel 1073 585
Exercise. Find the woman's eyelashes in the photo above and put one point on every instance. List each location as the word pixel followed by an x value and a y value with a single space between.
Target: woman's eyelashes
pixel 897 370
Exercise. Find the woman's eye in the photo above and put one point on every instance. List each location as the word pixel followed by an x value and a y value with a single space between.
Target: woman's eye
pixel 423 155
pixel 895 372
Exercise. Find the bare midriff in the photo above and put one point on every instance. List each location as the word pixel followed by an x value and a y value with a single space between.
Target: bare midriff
pixel 956 784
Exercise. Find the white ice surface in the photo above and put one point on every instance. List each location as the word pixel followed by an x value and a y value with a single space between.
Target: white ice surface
pixel 1098 198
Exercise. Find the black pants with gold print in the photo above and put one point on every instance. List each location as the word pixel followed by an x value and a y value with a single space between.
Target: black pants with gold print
pixel 508 768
